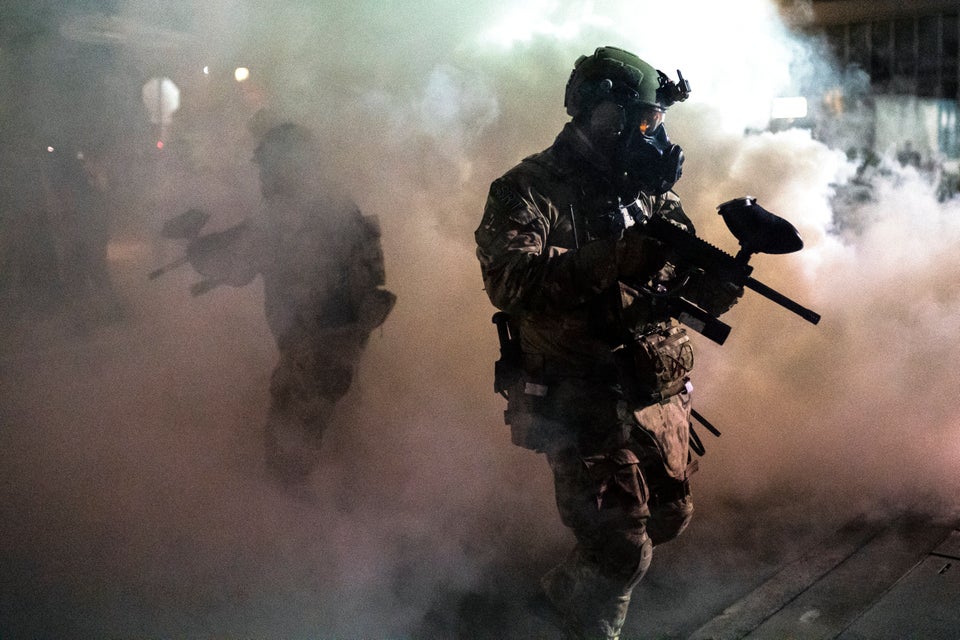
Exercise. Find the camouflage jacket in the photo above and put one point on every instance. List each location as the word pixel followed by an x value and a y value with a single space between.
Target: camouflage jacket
pixel 547 249
pixel 324 274
pixel 322 266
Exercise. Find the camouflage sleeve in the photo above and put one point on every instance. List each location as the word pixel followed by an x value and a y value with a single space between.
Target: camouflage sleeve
pixel 521 270
pixel 668 205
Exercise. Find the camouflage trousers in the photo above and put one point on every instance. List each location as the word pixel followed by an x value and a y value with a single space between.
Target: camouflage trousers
pixel 619 502
pixel 313 373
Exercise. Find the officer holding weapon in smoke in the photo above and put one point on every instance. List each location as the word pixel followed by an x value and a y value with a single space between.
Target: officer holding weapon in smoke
pixel 323 271
pixel 597 272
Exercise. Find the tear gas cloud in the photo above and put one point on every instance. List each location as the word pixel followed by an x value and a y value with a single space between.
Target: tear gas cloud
pixel 131 459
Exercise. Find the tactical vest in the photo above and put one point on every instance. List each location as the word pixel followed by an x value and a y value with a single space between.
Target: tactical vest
pixel 645 356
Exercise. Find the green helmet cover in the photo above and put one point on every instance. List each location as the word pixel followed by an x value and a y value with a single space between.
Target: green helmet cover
pixel 611 73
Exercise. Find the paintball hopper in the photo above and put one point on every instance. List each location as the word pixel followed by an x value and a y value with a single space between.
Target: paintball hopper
pixel 185 226
pixel 758 230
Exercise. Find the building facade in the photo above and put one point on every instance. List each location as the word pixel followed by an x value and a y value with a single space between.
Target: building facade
pixel 900 75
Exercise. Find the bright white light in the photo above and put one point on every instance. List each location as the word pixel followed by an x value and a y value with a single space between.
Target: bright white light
pixel 206 71
pixel 544 18
pixel 50 149
pixel 241 74
pixel 161 97
pixel 736 61
pixel 788 108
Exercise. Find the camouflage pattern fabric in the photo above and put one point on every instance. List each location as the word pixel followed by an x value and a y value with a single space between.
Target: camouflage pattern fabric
pixel 323 270
pixel 603 390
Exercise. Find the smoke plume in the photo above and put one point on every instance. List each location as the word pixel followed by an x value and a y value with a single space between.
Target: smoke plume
pixel 133 500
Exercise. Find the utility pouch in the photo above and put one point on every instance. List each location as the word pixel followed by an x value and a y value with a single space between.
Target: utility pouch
pixel 527 414
pixel 526 399
pixel 654 366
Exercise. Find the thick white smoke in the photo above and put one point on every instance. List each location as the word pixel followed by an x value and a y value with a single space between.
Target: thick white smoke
pixel 133 498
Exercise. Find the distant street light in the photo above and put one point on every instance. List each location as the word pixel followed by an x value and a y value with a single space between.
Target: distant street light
pixel 161 97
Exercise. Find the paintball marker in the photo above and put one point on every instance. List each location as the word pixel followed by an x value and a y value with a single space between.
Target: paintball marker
pixel 185 226
pixel 213 255
pixel 757 230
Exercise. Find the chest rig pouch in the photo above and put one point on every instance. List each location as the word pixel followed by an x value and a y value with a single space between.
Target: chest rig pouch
pixel 655 365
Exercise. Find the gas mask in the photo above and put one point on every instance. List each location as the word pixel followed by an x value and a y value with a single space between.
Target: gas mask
pixel 625 123
pixel 647 161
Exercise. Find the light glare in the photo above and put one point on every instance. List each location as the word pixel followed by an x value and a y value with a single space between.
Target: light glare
pixel 788 108
pixel 540 18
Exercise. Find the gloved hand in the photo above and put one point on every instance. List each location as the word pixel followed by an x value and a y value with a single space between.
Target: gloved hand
pixel 639 256
pixel 713 295
pixel 227 257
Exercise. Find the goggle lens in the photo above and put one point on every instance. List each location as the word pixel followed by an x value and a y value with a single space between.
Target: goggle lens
pixel 650 120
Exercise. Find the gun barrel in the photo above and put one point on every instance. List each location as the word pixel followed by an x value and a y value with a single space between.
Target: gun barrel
pixel 771 294
pixel 156 273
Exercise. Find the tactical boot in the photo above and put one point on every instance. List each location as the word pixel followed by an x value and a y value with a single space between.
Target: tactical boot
pixel 591 605
pixel 559 591
pixel 579 595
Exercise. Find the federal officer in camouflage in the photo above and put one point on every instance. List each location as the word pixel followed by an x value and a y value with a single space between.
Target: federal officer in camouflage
pixel 601 383
pixel 322 267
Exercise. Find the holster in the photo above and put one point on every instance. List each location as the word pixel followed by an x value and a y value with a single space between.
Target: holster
pixel 508 369
pixel 526 399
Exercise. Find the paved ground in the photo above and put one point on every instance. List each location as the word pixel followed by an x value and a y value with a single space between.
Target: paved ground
pixel 869 582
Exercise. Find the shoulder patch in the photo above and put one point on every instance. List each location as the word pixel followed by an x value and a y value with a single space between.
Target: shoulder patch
pixel 506 197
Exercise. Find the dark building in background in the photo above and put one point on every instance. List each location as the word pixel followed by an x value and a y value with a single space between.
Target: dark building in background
pixel 906 47
pixel 899 85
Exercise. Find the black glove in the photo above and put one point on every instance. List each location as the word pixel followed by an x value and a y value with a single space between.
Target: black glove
pixel 227 257
pixel 639 256
pixel 713 295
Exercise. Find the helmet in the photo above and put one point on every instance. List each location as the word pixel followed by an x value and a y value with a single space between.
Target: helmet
pixel 620 76
pixel 629 124
pixel 287 156
pixel 286 141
